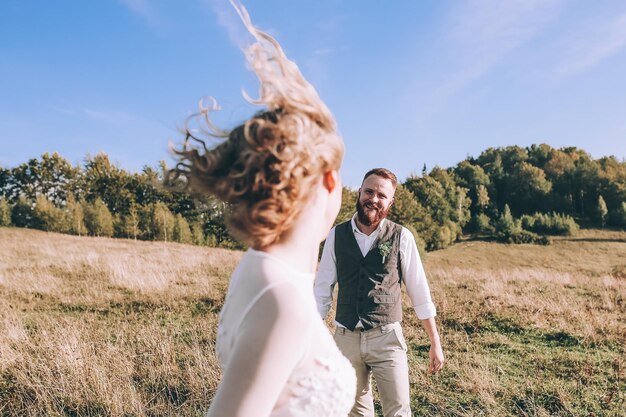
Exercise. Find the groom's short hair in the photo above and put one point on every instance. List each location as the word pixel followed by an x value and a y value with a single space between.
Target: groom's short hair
pixel 382 172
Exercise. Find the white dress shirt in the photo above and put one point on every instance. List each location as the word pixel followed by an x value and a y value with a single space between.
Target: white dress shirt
pixel 413 275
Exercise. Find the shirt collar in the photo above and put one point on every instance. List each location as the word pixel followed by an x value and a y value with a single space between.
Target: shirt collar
pixel 355 229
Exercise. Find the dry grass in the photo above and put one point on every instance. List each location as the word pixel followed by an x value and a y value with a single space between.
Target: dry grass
pixel 95 326
pixel 528 330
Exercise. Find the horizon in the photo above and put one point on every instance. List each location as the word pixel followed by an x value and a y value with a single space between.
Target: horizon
pixel 435 83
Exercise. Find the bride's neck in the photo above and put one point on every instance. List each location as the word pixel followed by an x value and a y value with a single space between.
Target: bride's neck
pixel 298 249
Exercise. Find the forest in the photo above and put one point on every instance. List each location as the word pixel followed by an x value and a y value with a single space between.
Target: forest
pixel 510 194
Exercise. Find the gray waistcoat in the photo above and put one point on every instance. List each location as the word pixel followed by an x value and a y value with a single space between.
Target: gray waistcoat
pixel 369 289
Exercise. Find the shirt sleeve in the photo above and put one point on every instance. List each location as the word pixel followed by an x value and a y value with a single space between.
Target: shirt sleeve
pixel 271 341
pixel 326 276
pixel 414 277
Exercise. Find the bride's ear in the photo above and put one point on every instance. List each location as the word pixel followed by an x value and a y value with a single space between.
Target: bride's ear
pixel 330 180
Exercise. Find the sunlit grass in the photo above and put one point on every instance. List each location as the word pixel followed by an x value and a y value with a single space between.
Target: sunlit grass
pixel 96 326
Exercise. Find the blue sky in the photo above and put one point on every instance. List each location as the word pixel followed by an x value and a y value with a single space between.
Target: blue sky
pixel 409 82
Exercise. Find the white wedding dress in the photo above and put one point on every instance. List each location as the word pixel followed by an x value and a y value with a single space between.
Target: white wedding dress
pixel 271 335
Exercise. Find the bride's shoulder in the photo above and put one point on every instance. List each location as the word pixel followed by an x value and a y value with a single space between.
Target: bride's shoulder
pixel 279 304
pixel 267 269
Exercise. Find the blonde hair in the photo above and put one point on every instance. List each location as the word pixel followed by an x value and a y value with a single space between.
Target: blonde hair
pixel 265 167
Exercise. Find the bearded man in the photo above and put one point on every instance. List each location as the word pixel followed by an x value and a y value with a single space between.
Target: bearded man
pixel 369 257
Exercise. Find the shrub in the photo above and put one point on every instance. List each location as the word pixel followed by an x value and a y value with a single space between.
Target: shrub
pixel 524 236
pixel 481 223
pixel 509 230
pixel 550 224
pixel 442 238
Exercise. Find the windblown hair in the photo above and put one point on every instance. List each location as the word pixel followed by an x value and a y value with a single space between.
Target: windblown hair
pixel 265 167
pixel 384 173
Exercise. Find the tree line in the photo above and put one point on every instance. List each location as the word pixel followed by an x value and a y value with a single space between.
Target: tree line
pixel 512 194
pixel 101 199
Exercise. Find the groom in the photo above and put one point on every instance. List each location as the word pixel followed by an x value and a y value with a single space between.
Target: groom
pixel 369 256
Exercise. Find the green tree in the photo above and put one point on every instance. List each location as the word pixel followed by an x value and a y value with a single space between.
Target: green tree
pixel 348 205
pixel 527 188
pixel 162 222
pixel 51 176
pixel 127 225
pixel 482 198
pixel 618 216
pixel 481 223
pixel 46 216
pixel 507 226
pixel 197 234
pixel 5 212
pixel 408 212
pixel 405 209
pixel 75 216
pixel 432 195
pixel 5 182
pixel 513 156
pixel 181 232
pixel 474 179
pixel 101 179
pixel 539 155
pixel 22 213
pixel 601 211
pixel 446 203
pixel 132 223
pixel 584 183
pixel 98 219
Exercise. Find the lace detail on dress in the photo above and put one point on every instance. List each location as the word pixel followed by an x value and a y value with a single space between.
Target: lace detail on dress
pixel 328 390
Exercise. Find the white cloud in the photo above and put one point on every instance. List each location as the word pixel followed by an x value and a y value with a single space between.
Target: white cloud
pixel 484 31
pixel 592 45
pixel 480 35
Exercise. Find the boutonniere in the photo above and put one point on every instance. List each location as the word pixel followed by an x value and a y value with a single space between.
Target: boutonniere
pixel 384 248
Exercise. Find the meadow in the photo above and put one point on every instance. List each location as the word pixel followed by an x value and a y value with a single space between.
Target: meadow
pixel 111 327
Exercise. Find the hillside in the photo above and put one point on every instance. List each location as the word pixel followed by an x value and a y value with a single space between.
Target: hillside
pixel 100 326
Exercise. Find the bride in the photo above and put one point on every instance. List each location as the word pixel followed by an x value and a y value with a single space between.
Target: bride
pixel 279 173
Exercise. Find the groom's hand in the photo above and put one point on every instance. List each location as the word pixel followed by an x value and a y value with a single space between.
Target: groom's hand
pixel 436 358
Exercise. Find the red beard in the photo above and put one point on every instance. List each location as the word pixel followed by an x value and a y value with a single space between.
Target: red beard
pixel 371 217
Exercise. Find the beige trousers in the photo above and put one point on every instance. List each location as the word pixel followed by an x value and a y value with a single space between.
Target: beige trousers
pixel 380 352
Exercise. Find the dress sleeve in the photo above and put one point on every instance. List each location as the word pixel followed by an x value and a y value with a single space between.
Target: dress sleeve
pixel 271 341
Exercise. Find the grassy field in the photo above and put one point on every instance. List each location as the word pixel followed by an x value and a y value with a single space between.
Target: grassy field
pixel 95 326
